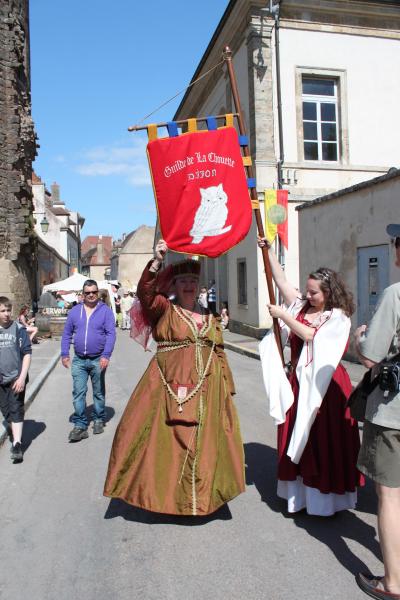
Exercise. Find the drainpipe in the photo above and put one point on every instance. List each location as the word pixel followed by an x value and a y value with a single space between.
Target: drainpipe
pixel 275 12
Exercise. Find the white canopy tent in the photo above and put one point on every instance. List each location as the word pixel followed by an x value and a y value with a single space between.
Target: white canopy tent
pixel 75 282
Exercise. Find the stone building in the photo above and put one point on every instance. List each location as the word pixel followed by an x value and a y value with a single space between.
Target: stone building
pixel 130 256
pixel 346 230
pixel 320 104
pixel 96 256
pixel 17 151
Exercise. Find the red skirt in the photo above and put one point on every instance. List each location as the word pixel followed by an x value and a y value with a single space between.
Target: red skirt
pixel 329 459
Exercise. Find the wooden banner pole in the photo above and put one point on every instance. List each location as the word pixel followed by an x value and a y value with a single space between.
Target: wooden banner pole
pixel 227 55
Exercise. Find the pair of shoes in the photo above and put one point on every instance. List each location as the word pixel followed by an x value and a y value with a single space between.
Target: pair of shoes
pixel 98 427
pixel 78 434
pixel 16 452
pixel 369 584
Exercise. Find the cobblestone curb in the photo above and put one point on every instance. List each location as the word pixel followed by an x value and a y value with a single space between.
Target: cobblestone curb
pixel 241 350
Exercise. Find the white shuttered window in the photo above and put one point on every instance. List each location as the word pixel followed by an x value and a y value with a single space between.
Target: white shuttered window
pixel 320 119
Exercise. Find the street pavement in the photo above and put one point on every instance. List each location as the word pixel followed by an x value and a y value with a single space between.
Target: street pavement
pixel 61 539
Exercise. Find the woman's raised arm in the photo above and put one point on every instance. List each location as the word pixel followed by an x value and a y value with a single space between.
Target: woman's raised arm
pixel 153 303
pixel 287 290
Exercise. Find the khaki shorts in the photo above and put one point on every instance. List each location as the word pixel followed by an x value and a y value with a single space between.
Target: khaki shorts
pixel 379 456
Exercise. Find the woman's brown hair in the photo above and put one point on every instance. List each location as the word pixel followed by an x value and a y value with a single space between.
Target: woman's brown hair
pixel 334 290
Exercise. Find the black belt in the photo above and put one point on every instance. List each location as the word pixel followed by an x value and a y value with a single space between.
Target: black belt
pixel 89 356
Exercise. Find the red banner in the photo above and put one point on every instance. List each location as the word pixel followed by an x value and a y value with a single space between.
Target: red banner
pixel 201 191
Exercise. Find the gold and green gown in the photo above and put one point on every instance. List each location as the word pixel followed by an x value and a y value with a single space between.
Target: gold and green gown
pixel 178 449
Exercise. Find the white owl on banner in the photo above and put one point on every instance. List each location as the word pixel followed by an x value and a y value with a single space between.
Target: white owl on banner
pixel 211 215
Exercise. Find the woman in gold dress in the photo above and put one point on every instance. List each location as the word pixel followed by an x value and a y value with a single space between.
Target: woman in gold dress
pixel 178 449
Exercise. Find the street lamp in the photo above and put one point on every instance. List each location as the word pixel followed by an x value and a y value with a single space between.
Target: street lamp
pixel 44 223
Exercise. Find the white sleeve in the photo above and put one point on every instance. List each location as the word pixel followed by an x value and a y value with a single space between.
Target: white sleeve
pixel 278 389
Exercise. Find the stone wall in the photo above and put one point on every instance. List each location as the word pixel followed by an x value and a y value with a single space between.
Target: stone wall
pixel 17 151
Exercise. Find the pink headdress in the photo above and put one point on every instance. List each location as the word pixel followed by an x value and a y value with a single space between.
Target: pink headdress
pixel 140 325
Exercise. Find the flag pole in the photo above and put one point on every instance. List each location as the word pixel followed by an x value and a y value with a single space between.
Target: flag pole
pixel 227 55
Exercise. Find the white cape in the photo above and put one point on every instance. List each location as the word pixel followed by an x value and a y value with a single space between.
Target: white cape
pixel 317 363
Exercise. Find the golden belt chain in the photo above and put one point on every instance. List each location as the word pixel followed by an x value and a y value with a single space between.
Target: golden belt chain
pixel 200 342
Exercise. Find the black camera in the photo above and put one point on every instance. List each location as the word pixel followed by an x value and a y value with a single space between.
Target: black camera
pixel 389 377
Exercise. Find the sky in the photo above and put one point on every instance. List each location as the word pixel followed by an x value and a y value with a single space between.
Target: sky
pixel 96 68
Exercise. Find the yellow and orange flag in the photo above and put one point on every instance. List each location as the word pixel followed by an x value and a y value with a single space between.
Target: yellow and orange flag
pixel 276 215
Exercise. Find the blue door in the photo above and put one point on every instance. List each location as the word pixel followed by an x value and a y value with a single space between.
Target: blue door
pixel 373 277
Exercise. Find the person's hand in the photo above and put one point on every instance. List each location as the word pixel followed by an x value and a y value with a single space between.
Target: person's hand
pixel 18 385
pixel 275 311
pixel 360 331
pixel 66 361
pixel 262 242
pixel 160 250
pixel 104 363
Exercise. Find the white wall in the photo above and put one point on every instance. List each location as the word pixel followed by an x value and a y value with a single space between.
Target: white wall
pixel 54 237
pixel 372 65
pixel 247 249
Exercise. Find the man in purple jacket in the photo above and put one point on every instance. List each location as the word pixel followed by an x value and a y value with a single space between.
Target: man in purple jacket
pixel 92 325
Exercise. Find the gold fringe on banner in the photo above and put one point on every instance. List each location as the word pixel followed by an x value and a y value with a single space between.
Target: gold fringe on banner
pixel 229 120
pixel 192 125
pixel 152 131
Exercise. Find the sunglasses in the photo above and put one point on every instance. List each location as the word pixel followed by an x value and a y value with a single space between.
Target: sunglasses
pixel 89 293
pixel 395 242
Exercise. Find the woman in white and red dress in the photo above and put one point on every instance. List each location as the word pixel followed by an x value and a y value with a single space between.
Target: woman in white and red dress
pixel 318 441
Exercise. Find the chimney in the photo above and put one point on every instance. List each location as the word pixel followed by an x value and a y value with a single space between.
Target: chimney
pixel 100 255
pixel 55 193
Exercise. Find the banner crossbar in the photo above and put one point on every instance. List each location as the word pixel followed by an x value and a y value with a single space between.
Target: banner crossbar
pixel 180 122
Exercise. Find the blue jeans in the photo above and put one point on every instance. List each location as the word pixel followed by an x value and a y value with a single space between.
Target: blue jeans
pixel 81 369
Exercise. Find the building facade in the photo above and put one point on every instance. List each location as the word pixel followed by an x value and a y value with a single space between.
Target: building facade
pixel 346 230
pixel 320 103
pixel 58 232
pixel 130 256
pixel 17 151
